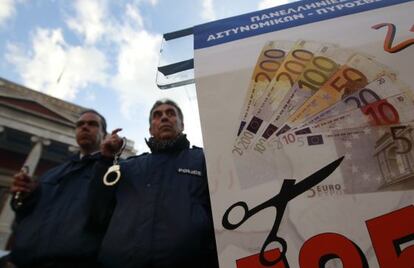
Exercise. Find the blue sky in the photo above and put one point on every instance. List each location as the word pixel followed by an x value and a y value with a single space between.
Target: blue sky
pixel 103 54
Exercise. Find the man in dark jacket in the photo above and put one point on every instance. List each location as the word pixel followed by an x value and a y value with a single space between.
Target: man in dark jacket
pixel 159 214
pixel 51 221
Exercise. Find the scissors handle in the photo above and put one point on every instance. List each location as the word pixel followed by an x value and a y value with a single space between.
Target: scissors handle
pixel 231 226
pixel 265 258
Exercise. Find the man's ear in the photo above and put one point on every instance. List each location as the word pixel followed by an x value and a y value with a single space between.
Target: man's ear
pixel 103 135
pixel 150 131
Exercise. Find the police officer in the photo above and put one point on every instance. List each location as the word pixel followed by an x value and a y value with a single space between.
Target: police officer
pixel 51 229
pixel 159 214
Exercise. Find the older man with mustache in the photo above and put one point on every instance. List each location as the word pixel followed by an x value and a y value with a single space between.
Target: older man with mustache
pixel 158 214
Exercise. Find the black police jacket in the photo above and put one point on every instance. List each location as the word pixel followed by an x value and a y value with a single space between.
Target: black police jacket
pixel 159 214
pixel 51 223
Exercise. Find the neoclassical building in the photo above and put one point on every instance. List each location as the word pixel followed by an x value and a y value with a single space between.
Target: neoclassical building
pixel 36 131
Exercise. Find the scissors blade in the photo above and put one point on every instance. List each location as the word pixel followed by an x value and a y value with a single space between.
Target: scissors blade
pixel 318 176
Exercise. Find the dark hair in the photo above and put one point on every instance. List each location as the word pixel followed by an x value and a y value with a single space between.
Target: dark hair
pixel 103 121
pixel 169 102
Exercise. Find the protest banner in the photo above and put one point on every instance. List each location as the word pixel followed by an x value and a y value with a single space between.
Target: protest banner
pixel 308 133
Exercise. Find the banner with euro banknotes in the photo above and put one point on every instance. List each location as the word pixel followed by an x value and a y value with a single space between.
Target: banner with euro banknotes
pixel 307 114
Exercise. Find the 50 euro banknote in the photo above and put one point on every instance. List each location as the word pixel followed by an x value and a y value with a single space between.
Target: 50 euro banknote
pixel 381 88
pixel 322 66
pixel 392 110
pixel 357 73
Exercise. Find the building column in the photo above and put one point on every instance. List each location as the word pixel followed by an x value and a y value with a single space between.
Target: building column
pixel 31 162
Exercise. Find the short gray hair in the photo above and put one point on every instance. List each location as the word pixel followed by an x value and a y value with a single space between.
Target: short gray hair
pixel 169 102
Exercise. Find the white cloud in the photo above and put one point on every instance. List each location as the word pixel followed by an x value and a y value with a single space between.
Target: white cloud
pixel 134 53
pixel 208 10
pixel 54 67
pixel 272 3
pixel 7 10
pixel 152 2
pixel 90 20
pixel 135 82
pixel 133 13
pixel 136 61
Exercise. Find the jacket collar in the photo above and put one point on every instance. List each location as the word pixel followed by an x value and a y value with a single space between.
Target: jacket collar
pixel 73 164
pixel 178 144
pixel 87 156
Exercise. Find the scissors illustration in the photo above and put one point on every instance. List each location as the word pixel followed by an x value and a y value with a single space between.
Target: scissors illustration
pixel 288 191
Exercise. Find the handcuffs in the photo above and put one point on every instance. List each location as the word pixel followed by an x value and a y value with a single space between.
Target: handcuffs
pixel 115 168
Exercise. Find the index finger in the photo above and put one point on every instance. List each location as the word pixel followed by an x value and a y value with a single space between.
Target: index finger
pixel 22 176
pixel 115 131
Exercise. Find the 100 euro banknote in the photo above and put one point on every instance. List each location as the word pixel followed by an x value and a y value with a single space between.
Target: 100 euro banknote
pixel 358 72
pixel 323 65
pixel 289 71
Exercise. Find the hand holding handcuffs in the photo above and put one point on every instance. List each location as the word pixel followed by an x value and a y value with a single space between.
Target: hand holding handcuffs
pixel 18 196
pixel 115 168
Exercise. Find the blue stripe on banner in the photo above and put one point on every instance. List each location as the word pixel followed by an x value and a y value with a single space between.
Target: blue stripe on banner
pixel 281 17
